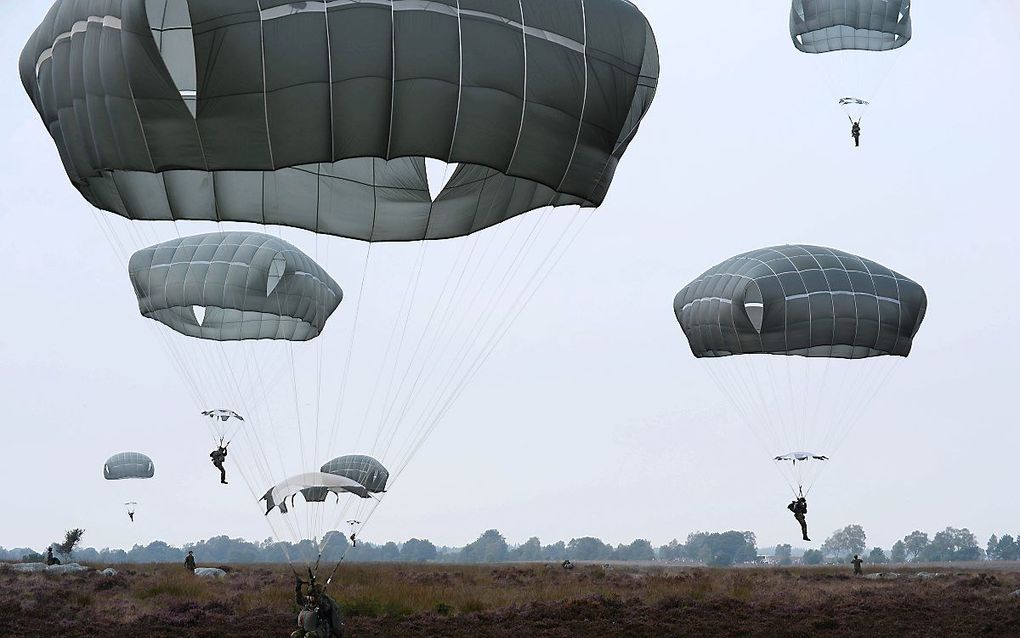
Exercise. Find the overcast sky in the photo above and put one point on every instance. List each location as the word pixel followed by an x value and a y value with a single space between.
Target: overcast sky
pixel 591 417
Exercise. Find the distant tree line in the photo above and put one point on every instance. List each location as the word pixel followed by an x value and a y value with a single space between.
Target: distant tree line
pixel 726 548
pixel 707 548
pixel 949 545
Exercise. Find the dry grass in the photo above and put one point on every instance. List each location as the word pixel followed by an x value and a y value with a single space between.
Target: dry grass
pixel 518 600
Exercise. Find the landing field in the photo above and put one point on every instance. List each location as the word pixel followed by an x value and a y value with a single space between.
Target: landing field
pixel 523 601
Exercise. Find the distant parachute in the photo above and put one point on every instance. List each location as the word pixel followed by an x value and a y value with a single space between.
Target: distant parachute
pixel 856 38
pixel 823 26
pixel 222 415
pixel 363 469
pixel 234 286
pixel 833 317
pixel 794 457
pixel 128 465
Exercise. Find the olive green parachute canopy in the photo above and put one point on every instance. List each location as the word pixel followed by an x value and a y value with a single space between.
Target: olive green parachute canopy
pixel 822 26
pixel 319 114
pixel 234 286
pixel 800 300
pixel 363 469
pixel 128 465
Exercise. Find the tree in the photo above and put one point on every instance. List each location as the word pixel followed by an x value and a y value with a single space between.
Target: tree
pixel 723 549
pixel 418 551
pixel 389 552
pixel 588 548
pixel 849 540
pixel 489 548
pixel 877 556
pixel 530 551
pixel 72 538
pixel 992 548
pixel 899 552
pixel 555 552
pixel 334 546
pixel 952 544
pixel 914 543
pixel 673 551
pixel 813 557
pixel 640 549
pixel 1005 548
pixel 783 553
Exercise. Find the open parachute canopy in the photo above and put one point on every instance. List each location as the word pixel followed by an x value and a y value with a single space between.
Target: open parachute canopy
pixel 364 469
pixel 794 457
pixel 823 26
pixel 800 300
pixel 128 465
pixel 222 415
pixel 839 319
pixel 206 109
pixel 234 286
pixel 314 487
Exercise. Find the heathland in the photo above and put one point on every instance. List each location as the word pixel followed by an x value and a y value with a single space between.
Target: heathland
pixel 526 600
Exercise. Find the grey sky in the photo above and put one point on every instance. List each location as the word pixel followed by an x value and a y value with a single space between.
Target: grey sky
pixel 592 417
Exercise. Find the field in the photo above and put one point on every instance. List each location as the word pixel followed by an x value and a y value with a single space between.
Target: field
pixel 520 601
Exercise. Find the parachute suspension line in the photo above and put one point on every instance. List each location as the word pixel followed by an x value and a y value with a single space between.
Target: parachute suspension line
pixel 495 339
pixel 407 299
pixel 118 248
pixel 453 328
pixel 448 377
pixel 340 403
pixel 746 411
pixel 769 408
pixel 762 409
pixel 744 415
pixel 538 278
pixel 851 417
pixel 445 326
pixel 391 424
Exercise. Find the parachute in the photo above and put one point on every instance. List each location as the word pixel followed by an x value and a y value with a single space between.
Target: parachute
pixel 203 114
pixel 831 320
pixel 823 26
pixel 363 469
pixel 535 102
pixel 222 415
pixel 234 286
pixel 849 33
pixel 314 486
pixel 224 424
pixel 129 466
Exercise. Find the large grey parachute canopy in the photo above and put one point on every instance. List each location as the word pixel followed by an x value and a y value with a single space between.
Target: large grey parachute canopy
pixel 318 114
pixel 822 26
pixel 363 469
pixel 128 465
pixel 800 300
pixel 313 486
pixel 234 286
